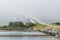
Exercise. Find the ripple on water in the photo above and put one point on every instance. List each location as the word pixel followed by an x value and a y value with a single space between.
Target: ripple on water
pixel 29 38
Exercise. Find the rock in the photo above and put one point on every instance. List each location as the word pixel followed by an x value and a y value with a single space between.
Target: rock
pixel 56 36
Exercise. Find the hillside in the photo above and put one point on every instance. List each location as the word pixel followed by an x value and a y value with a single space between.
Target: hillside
pixel 40 27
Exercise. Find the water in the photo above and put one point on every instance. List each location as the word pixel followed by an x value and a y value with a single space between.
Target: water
pixel 26 37
pixel 21 33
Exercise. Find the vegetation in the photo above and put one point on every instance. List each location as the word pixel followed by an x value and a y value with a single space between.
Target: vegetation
pixel 39 27
pixel 19 24
pixel 57 23
pixel 29 24
pixel 33 26
pixel 16 24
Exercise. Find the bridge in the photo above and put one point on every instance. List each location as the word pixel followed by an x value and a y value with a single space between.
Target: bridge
pixel 50 31
pixel 35 20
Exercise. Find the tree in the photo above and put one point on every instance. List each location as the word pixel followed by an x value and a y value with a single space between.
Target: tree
pixel 57 23
pixel 15 24
pixel 21 24
pixel 30 24
pixel 4 26
pixel 11 23
pixel 18 24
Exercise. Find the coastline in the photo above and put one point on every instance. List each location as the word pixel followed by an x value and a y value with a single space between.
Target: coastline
pixel 20 35
pixel 13 33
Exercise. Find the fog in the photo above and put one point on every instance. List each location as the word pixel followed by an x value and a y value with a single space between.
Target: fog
pixel 47 11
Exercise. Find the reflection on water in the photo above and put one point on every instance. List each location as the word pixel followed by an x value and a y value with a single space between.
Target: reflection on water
pixel 29 38
pixel 20 33
pixel 26 37
pixel 58 38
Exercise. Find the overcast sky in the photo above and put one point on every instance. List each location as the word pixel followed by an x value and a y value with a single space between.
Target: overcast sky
pixel 45 10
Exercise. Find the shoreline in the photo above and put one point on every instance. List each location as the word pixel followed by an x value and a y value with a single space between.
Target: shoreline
pixel 10 31
pixel 20 35
pixel 13 34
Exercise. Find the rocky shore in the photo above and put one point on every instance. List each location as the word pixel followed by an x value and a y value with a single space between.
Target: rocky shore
pixel 51 31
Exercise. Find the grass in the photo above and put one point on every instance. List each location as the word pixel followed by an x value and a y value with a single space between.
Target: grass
pixel 54 26
pixel 40 27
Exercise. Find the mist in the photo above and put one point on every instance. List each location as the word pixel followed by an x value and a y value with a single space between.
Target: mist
pixel 47 11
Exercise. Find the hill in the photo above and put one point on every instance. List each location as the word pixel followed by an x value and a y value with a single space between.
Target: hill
pixel 41 27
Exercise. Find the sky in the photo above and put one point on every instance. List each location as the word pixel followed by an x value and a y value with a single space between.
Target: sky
pixel 47 11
